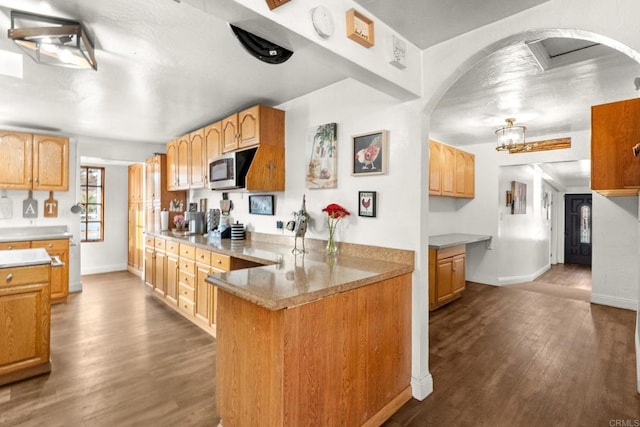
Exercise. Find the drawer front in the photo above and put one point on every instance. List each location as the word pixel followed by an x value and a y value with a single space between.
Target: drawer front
pixel 187 266
pixel 187 279
pixel 187 251
pixel 187 292
pixel 172 247
pixel 203 256
pixel 7 246
pixel 186 305
pixel 24 275
pixel 51 245
pixel 220 262
pixel 160 244
pixel 148 241
pixel 452 251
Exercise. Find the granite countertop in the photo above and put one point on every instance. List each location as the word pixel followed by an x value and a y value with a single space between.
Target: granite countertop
pixel 18 234
pixel 24 257
pixel 454 239
pixel 284 279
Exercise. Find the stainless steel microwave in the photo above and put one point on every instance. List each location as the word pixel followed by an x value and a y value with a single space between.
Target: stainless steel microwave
pixel 229 171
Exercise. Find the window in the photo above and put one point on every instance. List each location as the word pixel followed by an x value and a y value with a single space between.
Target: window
pixel 585 224
pixel 92 198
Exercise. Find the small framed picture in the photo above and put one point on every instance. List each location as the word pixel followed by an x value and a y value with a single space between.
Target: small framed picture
pixel 360 28
pixel 370 153
pixel 261 205
pixel 367 203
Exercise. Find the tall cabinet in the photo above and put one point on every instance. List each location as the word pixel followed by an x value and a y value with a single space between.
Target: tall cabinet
pixel 135 219
pixel 156 195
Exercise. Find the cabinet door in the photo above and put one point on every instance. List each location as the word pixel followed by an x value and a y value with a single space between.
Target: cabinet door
pixel 183 162
pixel 171 292
pixel 16 153
pixel 59 275
pixel 457 274
pixel 213 142
pixel 469 175
pixel 50 163
pixel 448 170
pixel 172 165
pixel 149 267
pixel 149 181
pixel 203 309
pixel 197 159
pixel 435 168
pixel 249 127
pixel 24 318
pixel 160 273
pixel 614 132
pixel 230 133
pixel 444 273
pixel 131 235
pixel 459 170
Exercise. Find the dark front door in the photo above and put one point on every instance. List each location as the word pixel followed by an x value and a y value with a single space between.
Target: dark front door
pixel 577 229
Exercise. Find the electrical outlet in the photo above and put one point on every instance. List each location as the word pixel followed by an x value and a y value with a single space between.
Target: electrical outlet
pixel 279 225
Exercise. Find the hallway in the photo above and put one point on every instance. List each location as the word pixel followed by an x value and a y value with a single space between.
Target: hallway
pixel 572 281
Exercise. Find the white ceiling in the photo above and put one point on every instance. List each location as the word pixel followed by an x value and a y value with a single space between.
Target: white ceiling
pixel 165 68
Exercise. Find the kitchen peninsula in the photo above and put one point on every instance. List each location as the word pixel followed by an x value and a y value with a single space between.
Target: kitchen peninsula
pixel 310 339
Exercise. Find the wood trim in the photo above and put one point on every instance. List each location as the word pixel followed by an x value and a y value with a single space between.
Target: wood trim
pixel 544 145
pixel 391 408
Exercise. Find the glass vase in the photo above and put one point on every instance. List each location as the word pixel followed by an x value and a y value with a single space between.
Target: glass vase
pixel 332 247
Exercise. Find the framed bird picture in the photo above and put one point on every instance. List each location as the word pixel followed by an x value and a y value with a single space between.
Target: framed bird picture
pixel 367 203
pixel 370 152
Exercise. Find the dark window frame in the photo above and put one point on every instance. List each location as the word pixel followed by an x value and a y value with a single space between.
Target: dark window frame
pixel 84 196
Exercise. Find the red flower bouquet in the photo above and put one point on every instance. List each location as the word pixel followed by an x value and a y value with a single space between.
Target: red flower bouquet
pixel 335 213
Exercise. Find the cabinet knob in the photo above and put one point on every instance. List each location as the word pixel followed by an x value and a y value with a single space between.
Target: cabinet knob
pixel 50 245
pixel 219 261
pixel 9 277
pixel 10 247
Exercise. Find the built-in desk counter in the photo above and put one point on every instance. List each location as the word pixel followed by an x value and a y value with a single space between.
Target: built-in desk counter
pixel 442 241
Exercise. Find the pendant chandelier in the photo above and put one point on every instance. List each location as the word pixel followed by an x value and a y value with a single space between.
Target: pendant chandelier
pixel 511 137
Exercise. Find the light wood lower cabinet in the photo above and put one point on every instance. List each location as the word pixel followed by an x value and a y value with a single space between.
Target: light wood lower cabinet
pixel 59 276
pixel 25 320
pixel 446 275
pixel 176 272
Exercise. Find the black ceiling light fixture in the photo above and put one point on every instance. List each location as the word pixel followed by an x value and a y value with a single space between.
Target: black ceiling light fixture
pixel 52 41
pixel 260 48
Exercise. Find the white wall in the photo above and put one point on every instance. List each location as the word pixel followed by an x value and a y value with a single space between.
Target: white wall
pixel 615 274
pixel 111 254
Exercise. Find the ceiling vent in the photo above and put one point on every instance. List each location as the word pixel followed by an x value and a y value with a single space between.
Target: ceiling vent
pixel 262 49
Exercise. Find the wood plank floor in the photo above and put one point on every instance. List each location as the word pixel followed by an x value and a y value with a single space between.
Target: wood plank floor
pixel 120 358
pixel 501 356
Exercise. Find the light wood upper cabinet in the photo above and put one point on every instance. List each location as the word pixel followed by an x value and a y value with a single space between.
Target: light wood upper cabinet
pixel 183 162
pixel 34 162
pixel 213 142
pixel 16 153
pixel 230 133
pixel 172 165
pixel 447 168
pixel 451 171
pixel 249 127
pixel 615 130
pixel 435 168
pixel 50 163
pixel 135 183
pixel 197 158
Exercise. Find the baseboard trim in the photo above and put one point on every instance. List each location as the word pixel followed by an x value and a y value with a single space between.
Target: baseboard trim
pixel 103 269
pixel 421 388
pixel 638 349
pixel 75 287
pixel 511 280
pixel 625 303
